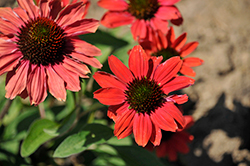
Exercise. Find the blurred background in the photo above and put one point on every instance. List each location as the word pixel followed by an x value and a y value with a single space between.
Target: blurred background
pixel 220 98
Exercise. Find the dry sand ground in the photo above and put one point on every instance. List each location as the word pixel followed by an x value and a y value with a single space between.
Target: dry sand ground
pixel 222 90
pixel 220 98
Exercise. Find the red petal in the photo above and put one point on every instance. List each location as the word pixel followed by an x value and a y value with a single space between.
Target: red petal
pixel 8 62
pixel 177 21
pixel 170 36
pixel 24 94
pixel 115 111
pixel 87 60
pixel 106 80
pixel 171 152
pixel 162 40
pixel 168 2
pixel 82 47
pixel 188 48
pixel 184 135
pixel 179 42
pixel 153 64
pixel 119 69
pixel 110 96
pixel 156 135
pixel 7 47
pixel 115 5
pixel 139 29
pixel 87 4
pixel 70 78
pixel 116 19
pixel 8 14
pixel 111 115
pixel 167 70
pixel 180 144
pixel 167 13
pixel 161 150
pixel 36 85
pixel 142 128
pixel 179 99
pixel 21 13
pixel 55 7
pixel 7 27
pixel 189 121
pixel 70 14
pixel 66 2
pixel 148 46
pixel 159 24
pixel 77 67
pixel 175 113
pixel 17 82
pixel 29 7
pixel 177 83
pixel 164 120
pixel 192 62
pixel 149 31
pixel 138 62
pixel 124 124
pixel 81 27
pixel 55 84
pixel 187 71
pixel 44 8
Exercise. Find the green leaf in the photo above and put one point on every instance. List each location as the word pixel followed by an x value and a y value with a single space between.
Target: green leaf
pixel 13 111
pixel 103 38
pixel 127 141
pixel 18 128
pixel 2 92
pixel 110 161
pixel 137 156
pixel 40 131
pixel 90 134
pixel 67 123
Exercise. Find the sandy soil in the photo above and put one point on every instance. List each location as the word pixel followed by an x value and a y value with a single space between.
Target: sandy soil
pixel 221 95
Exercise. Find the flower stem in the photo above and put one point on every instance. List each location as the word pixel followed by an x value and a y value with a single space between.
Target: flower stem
pixel 41 110
pixel 5 109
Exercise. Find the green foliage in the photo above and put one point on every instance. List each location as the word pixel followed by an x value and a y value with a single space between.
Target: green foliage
pixel 129 155
pixel 90 134
pixel 137 156
pixel 40 131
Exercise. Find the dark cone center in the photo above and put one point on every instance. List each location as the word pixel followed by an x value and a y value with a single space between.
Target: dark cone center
pixel 143 9
pixel 144 95
pixel 167 53
pixel 41 41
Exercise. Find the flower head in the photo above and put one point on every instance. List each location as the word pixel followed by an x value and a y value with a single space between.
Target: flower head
pixel 144 15
pixel 174 142
pixel 167 46
pixel 40 50
pixel 139 97
pixel 63 3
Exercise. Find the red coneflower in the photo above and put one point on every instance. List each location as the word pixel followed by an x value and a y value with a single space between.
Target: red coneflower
pixel 42 51
pixel 173 143
pixel 144 15
pixel 67 2
pixel 167 46
pixel 139 96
